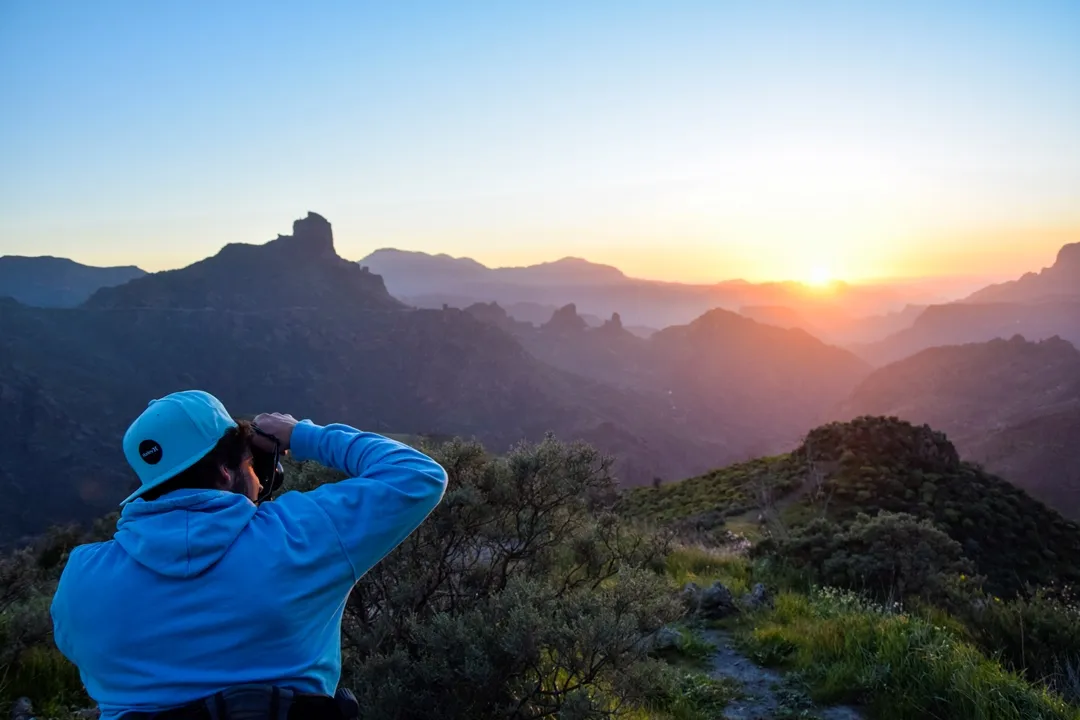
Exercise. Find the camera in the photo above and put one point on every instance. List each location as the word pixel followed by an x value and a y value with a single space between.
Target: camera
pixel 267 467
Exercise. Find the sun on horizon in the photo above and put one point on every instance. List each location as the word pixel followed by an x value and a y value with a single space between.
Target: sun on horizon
pixel 819 276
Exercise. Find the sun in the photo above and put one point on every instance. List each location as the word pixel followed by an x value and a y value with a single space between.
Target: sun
pixel 819 276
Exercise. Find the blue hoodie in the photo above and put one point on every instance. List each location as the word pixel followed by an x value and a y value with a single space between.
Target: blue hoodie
pixel 202 590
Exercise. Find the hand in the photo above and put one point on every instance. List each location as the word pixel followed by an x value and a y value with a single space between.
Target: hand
pixel 276 424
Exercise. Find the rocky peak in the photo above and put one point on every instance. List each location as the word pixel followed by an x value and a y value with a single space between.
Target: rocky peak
pixel 566 320
pixel 491 313
pixel 312 238
pixel 1068 260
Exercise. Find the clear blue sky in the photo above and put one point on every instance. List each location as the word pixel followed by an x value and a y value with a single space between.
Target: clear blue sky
pixel 683 140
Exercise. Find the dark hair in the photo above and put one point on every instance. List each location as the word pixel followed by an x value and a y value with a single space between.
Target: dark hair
pixel 231 451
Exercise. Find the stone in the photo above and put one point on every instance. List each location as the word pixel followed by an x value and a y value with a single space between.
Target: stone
pixel 22 709
pixel 666 639
pixel 717 603
pixel 690 597
pixel 759 598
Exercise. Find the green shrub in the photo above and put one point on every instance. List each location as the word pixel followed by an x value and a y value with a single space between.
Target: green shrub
pixel 891 556
pixel 522 595
pixel 1038 636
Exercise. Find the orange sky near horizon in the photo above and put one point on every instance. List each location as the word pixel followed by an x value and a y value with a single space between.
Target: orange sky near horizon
pixel 993 256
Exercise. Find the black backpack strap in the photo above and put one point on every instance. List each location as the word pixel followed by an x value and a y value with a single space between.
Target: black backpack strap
pixel 216 707
pixel 260 702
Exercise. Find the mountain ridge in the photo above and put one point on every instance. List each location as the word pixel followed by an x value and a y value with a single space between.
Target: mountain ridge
pixel 50 281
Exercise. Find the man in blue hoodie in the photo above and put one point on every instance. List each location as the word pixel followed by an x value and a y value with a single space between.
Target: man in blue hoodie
pixel 200 589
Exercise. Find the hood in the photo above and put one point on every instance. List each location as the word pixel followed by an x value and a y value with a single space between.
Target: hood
pixel 185 532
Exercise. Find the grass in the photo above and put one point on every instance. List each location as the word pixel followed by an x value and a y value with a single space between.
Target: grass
pixel 704 567
pixel 728 491
pixel 698 697
pixel 903 666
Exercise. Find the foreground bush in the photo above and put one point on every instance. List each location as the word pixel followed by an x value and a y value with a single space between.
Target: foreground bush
pixel 1038 636
pixel 522 596
pixel 902 666
pixel 891 556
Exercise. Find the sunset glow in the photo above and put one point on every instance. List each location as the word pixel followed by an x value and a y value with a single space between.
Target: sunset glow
pixel 820 276
pixel 691 142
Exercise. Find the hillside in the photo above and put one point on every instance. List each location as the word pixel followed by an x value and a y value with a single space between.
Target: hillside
pixel 757 386
pixel 960 323
pixel 1009 404
pixel 287 325
pixel 871 465
pixel 57 282
pixel 1059 281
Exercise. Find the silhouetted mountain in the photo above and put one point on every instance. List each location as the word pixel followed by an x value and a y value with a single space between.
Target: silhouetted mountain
pixel 1013 405
pixel 290 326
pixel 417 273
pixel 529 312
pixel 757 386
pixel 301 270
pixel 961 323
pixel 1060 281
pixel 57 282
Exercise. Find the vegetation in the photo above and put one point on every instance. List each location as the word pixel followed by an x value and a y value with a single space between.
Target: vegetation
pixel 901 665
pixel 872 465
pixel 522 596
pixel 885 464
pixel 535 590
pixel 703 503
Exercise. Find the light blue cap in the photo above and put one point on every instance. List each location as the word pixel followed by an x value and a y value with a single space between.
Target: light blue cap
pixel 172 434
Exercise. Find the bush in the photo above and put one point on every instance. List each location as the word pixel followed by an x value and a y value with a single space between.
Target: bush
pixel 1037 636
pixel 521 596
pixel 891 556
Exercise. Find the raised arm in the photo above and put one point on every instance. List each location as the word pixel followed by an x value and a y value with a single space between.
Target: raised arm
pixel 392 488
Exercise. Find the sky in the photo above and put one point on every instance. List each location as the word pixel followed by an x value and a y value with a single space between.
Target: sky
pixel 690 141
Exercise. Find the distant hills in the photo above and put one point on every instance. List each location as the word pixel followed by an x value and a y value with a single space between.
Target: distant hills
pixel 960 323
pixel 57 282
pixel 427 280
pixel 757 386
pixel 291 325
pixel 1038 305
pixel 1013 405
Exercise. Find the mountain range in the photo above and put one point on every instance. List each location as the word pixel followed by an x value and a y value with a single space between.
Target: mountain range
pixel 291 325
pixel 757 385
pixel 840 313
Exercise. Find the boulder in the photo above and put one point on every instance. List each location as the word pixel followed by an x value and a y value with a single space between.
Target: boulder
pixel 717 603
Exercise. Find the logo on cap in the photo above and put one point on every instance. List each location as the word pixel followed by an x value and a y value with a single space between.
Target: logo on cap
pixel 150 452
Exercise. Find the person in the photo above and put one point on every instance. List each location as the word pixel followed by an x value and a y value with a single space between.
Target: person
pixel 202 591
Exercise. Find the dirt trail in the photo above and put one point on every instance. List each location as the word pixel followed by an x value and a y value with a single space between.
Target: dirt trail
pixel 759 684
